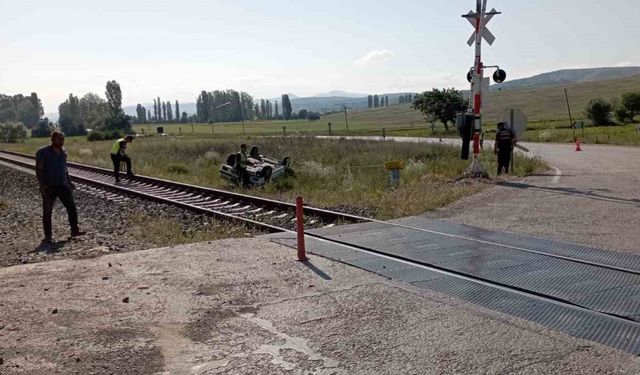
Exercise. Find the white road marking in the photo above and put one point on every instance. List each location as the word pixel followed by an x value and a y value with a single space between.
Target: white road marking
pixel 556 178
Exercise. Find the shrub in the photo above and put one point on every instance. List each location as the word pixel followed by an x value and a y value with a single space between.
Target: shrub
pixel 622 114
pixel 599 112
pixel 95 135
pixel 177 168
pixel 104 135
pixel 43 129
pixel 313 116
pixel 631 101
pixel 546 135
pixel 13 132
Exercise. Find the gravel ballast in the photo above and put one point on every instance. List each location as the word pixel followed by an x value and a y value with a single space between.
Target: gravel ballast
pixel 112 223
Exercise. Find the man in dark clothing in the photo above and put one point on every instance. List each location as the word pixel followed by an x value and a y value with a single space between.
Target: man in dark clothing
pixel 242 161
pixel 51 170
pixel 505 140
pixel 119 154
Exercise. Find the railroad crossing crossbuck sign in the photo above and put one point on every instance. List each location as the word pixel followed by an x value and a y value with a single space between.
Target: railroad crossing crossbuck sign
pixel 473 19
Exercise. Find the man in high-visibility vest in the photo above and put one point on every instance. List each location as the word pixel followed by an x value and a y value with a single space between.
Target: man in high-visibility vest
pixel 119 154
pixel 242 161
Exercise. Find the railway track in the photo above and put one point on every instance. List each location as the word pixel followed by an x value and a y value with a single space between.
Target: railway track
pixel 544 306
pixel 260 213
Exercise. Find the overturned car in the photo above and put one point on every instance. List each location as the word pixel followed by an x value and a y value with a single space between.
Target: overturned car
pixel 261 168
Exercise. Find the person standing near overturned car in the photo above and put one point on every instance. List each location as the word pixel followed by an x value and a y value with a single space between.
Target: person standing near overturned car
pixel 119 154
pixel 53 177
pixel 505 140
pixel 242 161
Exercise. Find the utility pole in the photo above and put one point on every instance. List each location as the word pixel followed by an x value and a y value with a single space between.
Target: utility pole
pixel 242 115
pixel 346 121
pixel 566 96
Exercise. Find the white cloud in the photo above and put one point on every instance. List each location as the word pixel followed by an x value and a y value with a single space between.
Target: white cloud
pixel 624 64
pixel 374 56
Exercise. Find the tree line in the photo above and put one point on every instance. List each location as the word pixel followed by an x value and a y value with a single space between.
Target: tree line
pixel 19 108
pixel 224 106
pixel 162 112
pixel 375 101
pixel 625 109
pixel 105 118
pixel 407 98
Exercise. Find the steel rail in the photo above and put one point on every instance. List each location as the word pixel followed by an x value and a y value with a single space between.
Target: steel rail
pixel 328 214
pixel 211 201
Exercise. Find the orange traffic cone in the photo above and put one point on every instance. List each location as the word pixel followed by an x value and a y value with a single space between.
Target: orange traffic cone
pixel 578 148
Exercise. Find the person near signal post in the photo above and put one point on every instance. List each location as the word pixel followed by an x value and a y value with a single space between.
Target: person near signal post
pixel 119 154
pixel 505 141
pixel 53 177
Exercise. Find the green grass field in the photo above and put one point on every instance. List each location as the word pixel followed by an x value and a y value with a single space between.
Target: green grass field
pixel 341 174
pixel 545 108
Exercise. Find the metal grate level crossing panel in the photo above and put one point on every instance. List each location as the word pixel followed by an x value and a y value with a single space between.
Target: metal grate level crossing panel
pixel 583 291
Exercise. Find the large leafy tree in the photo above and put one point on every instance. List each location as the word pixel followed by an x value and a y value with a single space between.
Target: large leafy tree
pixel 177 112
pixel 117 120
pixel 43 129
pixel 27 113
pixel 138 112
pixel 26 109
pixel 69 117
pixel 94 111
pixel 599 112
pixel 629 107
pixel 114 97
pixel 440 105
pixel 286 107
pixel 155 110
pixel 13 132
pixel 169 111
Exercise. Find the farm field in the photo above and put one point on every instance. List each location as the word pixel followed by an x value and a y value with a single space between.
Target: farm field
pixel 345 175
pixel 545 108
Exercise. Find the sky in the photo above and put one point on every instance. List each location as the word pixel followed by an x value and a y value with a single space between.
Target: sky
pixel 177 49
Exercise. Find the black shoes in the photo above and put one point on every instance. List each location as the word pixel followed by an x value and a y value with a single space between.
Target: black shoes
pixel 76 232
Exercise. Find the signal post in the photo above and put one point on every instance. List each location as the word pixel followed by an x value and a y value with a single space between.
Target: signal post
pixel 472 121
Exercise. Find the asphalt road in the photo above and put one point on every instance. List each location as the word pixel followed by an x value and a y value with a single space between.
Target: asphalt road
pixel 590 197
pixel 249 307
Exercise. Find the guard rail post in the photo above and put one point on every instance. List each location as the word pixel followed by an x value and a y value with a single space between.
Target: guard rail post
pixel 302 254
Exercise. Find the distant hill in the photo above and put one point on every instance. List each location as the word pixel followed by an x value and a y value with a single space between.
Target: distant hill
pixel 568 76
pixel 340 93
pixel 538 103
pixel 590 83
pixel 548 102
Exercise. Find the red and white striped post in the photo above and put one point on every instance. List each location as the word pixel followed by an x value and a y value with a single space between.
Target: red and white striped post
pixel 302 253
pixel 481 7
